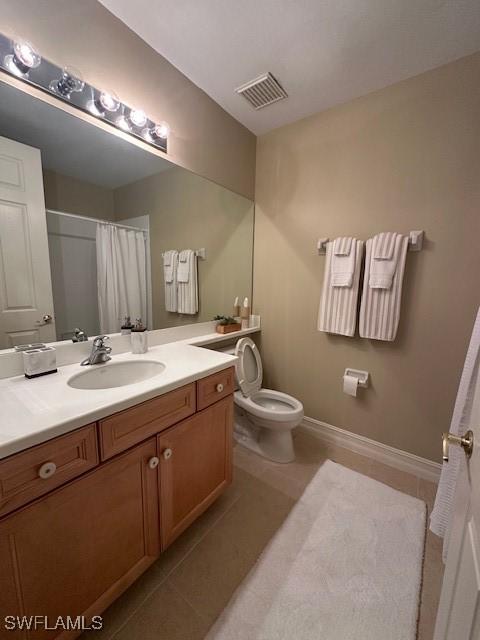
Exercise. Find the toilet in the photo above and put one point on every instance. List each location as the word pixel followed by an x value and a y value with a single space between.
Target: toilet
pixel 264 418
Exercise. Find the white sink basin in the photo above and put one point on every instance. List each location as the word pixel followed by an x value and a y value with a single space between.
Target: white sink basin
pixel 116 374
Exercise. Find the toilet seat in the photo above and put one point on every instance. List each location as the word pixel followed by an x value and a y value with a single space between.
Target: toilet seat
pixel 271 405
pixel 263 418
pixel 249 368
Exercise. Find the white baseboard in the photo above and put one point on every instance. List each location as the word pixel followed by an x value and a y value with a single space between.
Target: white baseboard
pixel 397 458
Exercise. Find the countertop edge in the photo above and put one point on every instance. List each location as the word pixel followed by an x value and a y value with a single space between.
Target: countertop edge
pixel 28 440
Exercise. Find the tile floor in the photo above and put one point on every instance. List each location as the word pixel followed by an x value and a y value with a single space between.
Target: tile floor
pixel 180 596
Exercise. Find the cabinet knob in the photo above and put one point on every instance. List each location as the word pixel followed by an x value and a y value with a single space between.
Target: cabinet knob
pixel 47 470
pixel 219 387
pixel 153 462
pixel 167 454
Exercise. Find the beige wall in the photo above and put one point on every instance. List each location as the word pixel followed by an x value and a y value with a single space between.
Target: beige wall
pixel 189 212
pixel 406 157
pixel 84 34
pixel 64 193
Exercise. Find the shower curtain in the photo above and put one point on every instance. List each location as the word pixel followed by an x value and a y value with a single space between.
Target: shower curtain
pixel 121 275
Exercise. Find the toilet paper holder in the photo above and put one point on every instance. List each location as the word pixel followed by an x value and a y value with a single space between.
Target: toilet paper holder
pixel 362 376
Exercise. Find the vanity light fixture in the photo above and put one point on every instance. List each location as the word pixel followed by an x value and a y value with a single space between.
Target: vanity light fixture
pixel 123 122
pixel 19 58
pixel 23 58
pixel 137 117
pixel 106 101
pixel 70 82
pixel 160 131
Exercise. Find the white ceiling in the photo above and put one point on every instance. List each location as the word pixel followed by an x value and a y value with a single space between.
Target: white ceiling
pixel 323 52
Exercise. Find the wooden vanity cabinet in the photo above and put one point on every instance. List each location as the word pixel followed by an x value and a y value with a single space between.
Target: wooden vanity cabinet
pixel 38 470
pixel 127 428
pixel 195 467
pixel 74 551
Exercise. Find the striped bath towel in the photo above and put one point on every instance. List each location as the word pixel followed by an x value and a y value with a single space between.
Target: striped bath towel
pixel 170 263
pixel 380 308
pixel 338 305
pixel 187 282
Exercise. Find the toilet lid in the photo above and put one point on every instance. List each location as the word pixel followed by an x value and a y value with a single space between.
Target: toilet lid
pixel 249 368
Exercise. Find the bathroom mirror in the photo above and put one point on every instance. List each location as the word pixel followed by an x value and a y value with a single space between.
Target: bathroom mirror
pixel 88 224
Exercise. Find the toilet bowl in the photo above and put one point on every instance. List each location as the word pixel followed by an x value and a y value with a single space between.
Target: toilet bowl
pixel 264 418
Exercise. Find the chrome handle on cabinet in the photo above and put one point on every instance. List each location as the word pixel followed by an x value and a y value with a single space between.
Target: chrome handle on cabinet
pixel 167 454
pixel 153 462
pixel 47 470
pixel 219 387
pixel 466 442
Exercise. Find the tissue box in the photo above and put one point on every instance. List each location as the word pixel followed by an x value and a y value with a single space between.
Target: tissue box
pixel 39 362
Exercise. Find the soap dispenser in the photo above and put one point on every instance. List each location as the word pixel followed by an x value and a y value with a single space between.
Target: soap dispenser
pixel 126 328
pixel 139 337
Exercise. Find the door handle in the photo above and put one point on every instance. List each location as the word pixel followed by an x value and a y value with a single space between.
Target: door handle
pixel 45 319
pixel 466 442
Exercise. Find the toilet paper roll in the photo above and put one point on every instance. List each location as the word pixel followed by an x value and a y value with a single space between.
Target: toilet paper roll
pixel 350 385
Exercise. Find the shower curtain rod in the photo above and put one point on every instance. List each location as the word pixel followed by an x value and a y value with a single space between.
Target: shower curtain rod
pixel 79 217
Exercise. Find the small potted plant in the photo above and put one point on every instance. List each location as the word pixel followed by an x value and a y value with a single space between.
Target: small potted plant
pixel 227 324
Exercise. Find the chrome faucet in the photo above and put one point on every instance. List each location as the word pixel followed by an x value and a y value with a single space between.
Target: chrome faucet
pixel 79 335
pixel 100 353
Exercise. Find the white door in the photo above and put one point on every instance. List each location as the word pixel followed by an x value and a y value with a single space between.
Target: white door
pixel 26 302
pixel 459 610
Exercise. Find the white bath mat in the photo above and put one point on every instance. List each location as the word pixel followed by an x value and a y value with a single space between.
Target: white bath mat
pixel 345 565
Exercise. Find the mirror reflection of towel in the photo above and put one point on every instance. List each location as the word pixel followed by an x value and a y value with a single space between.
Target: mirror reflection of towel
pixel 185 265
pixel 170 261
pixel 187 282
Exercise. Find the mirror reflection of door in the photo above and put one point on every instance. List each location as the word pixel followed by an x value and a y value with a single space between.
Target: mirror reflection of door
pixel 26 304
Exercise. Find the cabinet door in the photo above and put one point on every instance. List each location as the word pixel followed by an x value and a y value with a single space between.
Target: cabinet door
pixel 73 552
pixel 195 467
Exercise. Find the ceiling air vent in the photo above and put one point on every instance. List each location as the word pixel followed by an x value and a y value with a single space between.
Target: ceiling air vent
pixel 262 91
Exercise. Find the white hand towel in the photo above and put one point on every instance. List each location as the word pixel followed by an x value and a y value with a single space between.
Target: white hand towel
pixel 170 261
pixel 338 305
pixel 188 285
pixel 380 308
pixel 183 271
pixel 343 262
pixel 384 260
pixel 168 266
pixel 342 246
pixel 441 518
pixel 384 245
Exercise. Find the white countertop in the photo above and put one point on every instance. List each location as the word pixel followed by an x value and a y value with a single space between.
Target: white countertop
pixel 33 411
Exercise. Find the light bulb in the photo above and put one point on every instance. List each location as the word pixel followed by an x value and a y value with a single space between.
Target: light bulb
pixel 70 82
pixel 109 101
pixel 137 117
pixel 106 101
pixel 23 59
pixel 162 130
pixel 122 122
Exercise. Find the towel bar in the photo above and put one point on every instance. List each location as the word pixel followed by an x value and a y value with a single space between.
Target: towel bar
pixel 415 242
pixel 200 253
